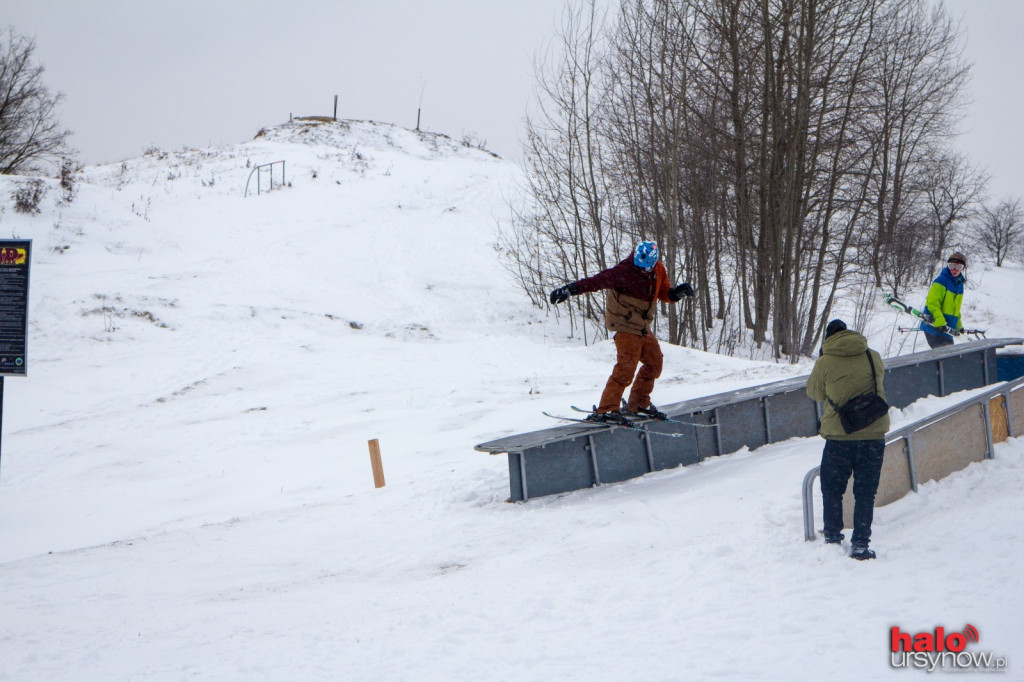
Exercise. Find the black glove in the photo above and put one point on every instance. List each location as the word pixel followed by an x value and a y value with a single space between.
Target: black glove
pixel 563 293
pixel 948 330
pixel 677 293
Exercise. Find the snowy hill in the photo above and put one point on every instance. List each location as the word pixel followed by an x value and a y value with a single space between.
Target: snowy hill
pixel 185 489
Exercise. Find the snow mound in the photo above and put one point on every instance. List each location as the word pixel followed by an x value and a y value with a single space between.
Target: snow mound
pixel 372 135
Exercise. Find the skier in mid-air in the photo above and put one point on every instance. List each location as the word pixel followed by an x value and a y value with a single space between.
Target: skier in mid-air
pixel 633 289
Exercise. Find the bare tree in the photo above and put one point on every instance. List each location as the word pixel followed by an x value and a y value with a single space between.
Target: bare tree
pixel 647 125
pixel 783 152
pixel 561 234
pixel 1001 229
pixel 30 132
pixel 919 78
pixel 952 192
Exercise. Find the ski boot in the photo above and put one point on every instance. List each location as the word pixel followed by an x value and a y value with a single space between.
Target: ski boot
pixel 649 412
pixel 613 417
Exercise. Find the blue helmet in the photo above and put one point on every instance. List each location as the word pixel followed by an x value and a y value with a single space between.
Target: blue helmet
pixel 646 255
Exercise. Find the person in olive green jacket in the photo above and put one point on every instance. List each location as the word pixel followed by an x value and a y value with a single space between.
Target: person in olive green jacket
pixel 842 373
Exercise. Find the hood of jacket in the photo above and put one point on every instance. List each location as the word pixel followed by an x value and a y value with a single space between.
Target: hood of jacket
pixel 845 342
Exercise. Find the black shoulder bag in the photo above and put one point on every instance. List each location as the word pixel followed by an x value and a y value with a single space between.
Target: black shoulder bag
pixel 863 410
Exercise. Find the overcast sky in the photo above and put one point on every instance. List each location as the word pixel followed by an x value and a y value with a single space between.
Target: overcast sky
pixel 192 73
pixel 168 73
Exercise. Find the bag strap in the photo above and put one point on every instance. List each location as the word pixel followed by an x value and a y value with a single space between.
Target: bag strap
pixel 874 380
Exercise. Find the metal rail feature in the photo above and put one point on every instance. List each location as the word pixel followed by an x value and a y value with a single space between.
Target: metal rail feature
pixel 573 457
pixel 259 174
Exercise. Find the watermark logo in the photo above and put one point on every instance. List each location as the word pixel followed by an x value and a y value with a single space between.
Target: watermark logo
pixel 941 650
pixel 12 256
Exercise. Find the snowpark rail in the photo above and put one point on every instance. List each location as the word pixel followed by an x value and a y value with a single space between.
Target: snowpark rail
pixel 566 458
pixel 935 447
pixel 258 170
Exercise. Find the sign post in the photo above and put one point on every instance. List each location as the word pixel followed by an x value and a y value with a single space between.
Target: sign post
pixel 15 260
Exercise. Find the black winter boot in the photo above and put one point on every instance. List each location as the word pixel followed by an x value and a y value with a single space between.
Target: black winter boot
pixel 861 552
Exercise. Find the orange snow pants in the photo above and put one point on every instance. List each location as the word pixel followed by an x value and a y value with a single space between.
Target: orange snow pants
pixel 631 350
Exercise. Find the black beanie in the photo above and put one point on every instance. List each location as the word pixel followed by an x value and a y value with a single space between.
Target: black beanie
pixel 834 326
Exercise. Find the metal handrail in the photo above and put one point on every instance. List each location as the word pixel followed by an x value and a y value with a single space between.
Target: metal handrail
pixel 258 168
pixel 907 433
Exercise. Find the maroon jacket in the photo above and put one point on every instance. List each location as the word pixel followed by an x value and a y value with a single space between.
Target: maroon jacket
pixel 627 278
pixel 632 295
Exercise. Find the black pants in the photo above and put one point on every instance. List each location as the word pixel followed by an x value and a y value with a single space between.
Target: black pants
pixel 936 341
pixel 863 459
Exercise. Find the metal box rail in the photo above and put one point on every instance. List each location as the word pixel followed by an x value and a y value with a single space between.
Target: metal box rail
pixel 566 458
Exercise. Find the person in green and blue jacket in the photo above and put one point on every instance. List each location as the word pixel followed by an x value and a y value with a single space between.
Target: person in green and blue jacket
pixel 943 303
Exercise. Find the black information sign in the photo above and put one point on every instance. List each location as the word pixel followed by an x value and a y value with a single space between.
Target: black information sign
pixel 15 257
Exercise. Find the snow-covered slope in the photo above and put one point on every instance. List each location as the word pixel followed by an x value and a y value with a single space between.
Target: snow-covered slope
pixel 185 489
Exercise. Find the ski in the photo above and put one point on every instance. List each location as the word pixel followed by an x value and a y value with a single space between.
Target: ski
pixel 928 319
pixel 634 424
pixel 904 308
pixel 640 419
pixel 587 422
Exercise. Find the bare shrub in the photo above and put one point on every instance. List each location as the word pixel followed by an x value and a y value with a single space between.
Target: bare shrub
pixel 69 170
pixel 27 196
